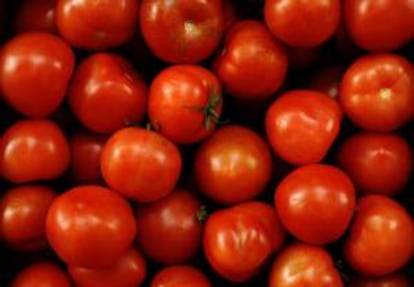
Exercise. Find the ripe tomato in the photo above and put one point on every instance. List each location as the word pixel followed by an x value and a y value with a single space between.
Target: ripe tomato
pixel 140 164
pixel 380 238
pixel 233 165
pixel 392 280
pixel 301 126
pixel 35 69
pixel 302 23
pixel 238 240
pixel 180 31
pixel 106 84
pixel 23 212
pixel 377 162
pixel 32 150
pixel 301 265
pixel 38 15
pixel 180 276
pixel 90 226
pixel 128 271
pixel 169 230
pixel 252 64
pixel 185 103
pixel 377 92
pixel 97 24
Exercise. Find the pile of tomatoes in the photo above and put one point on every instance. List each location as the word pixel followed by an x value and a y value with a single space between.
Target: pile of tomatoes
pixel 206 143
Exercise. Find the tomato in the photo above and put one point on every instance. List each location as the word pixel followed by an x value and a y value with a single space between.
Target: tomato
pixel 36 15
pixel 392 280
pixel 177 217
pixel 97 24
pixel 180 276
pixel 301 126
pixel 302 23
pixel 380 238
pixel 395 29
pixel 90 226
pixel 140 164
pixel 106 84
pixel 182 32
pixel 42 273
pixel 23 212
pixel 233 165
pixel 32 150
pixel 377 92
pixel 327 80
pixel 252 64
pixel 128 271
pixel 237 241
pixel 301 265
pixel 377 162
pixel 35 69
pixel 184 103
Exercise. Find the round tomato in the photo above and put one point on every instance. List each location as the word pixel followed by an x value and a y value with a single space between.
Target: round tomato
pixel 38 15
pixel 392 280
pixel 180 276
pixel 90 226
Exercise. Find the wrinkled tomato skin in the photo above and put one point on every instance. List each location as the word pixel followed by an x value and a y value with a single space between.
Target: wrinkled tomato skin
pixel 38 15
pixel 180 276
pixel 392 280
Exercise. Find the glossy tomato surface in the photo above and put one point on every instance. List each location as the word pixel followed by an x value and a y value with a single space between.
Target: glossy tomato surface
pixel 180 276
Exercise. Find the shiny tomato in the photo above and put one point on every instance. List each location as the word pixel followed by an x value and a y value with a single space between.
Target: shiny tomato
pixel 90 226
pixel 185 103
pixel 380 237
pixel 106 84
pixel 32 150
pixel 377 92
pixel 233 165
pixel 35 69
pixel 37 15
pixel 301 126
pixel 169 230
pixel 180 276
pixel 392 280
pixel 140 164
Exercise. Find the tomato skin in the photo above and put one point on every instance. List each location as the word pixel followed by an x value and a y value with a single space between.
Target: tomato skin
pixel 377 162
pixel 301 265
pixel 33 149
pixel 380 238
pixel 301 126
pixel 182 32
pixel 175 217
pixel 35 69
pixel 377 92
pixel 106 84
pixel 252 64
pixel 38 15
pixel 396 27
pixel 392 280
pixel 129 271
pixel 90 226
pixel 184 103
pixel 180 276
pixel 97 25
pixel 302 23
pixel 233 165
pixel 140 164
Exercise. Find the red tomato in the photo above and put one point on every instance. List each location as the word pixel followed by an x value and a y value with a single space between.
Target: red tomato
pixel 395 29
pixel 233 165
pixel 23 212
pixel 301 265
pixel 140 164
pixel 377 162
pixel 252 64
pixel 377 92
pixel 97 24
pixel 180 276
pixel 316 203
pixel 90 226
pixel 180 31
pixel 301 126
pixel 106 84
pixel 392 280
pixel 169 230
pixel 185 103
pixel 238 240
pixel 380 238
pixel 128 271
pixel 302 23
pixel 36 15
pixel 42 273
pixel 35 69
pixel 33 149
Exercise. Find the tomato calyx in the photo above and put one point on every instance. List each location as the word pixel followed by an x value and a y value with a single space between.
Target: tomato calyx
pixel 202 214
